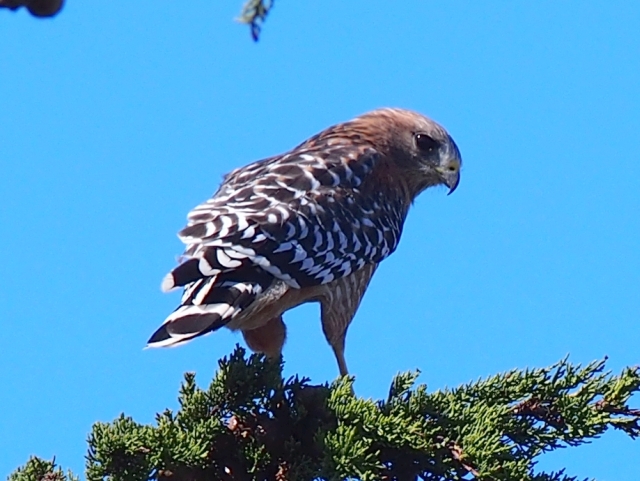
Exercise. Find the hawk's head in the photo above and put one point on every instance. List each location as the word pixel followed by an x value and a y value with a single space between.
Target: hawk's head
pixel 420 146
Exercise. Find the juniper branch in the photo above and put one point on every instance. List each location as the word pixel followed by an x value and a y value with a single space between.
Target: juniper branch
pixel 251 424
pixel 254 13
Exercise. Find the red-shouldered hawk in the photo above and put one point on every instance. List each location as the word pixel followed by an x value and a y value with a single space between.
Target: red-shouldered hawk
pixel 310 225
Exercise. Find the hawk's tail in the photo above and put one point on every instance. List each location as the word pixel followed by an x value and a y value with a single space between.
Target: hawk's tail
pixel 210 303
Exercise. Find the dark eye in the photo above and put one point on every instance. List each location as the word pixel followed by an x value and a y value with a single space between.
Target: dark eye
pixel 426 144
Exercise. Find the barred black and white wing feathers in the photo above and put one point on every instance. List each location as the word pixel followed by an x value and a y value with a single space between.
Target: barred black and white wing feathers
pixel 209 303
pixel 308 217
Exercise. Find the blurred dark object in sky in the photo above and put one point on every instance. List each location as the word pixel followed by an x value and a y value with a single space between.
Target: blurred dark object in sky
pixel 37 8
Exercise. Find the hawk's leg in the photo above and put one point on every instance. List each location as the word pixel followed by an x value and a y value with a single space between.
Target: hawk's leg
pixel 338 305
pixel 338 349
pixel 268 339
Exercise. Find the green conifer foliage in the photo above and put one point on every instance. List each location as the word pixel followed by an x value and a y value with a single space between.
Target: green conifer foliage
pixel 251 424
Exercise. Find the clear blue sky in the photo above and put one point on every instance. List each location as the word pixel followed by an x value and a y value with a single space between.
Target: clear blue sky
pixel 117 118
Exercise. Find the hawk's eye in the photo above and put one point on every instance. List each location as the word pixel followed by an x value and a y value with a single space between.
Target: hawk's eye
pixel 426 144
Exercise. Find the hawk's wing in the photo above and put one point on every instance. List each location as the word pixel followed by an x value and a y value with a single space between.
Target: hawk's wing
pixel 304 217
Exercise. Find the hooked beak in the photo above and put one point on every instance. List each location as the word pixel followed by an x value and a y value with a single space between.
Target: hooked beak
pixel 450 177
